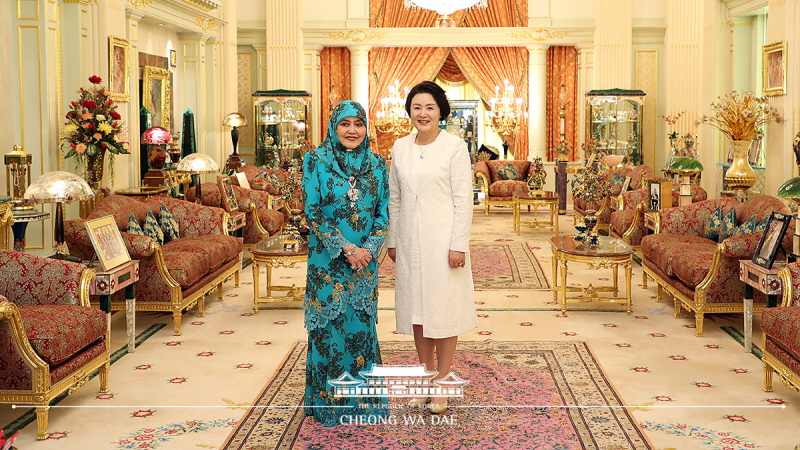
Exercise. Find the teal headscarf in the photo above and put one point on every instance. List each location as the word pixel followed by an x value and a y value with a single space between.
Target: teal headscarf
pixel 350 162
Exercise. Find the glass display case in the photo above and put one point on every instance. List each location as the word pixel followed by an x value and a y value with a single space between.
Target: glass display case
pixel 463 122
pixel 282 126
pixel 614 120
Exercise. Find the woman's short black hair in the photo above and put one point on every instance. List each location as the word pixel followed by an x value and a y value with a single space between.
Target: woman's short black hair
pixel 429 87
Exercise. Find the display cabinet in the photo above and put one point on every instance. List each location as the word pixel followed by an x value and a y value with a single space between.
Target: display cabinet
pixel 614 120
pixel 463 122
pixel 282 125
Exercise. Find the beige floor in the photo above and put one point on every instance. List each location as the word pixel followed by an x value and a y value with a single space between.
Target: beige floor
pixel 689 392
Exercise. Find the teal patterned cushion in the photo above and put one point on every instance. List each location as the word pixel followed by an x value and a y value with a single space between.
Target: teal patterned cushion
pixel 728 225
pixel 762 225
pixel 508 173
pixel 747 227
pixel 713 224
pixel 617 178
pixel 133 225
pixel 168 224
pixel 152 229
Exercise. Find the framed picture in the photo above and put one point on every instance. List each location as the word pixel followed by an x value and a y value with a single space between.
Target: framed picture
pixel 157 95
pixel 773 68
pixel 660 195
pixel 242 179
pixel 107 242
pixel 118 70
pixel 625 185
pixel 771 239
pixel 228 196
pixel 173 58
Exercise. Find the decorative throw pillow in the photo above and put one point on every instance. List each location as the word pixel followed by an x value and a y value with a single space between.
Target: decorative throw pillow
pixel 168 225
pixel 507 173
pixel 713 224
pixel 152 229
pixel 748 227
pixel 133 225
pixel 728 225
pixel 762 225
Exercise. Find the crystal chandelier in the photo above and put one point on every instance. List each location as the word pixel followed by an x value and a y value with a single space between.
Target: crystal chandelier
pixel 392 117
pixel 445 7
pixel 508 112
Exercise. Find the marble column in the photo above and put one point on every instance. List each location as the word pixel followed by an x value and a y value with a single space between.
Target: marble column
pixel 311 70
pixel 537 100
pixel 359 75
pixel 284 51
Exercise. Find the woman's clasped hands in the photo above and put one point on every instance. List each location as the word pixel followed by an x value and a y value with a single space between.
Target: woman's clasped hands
pixel 358 257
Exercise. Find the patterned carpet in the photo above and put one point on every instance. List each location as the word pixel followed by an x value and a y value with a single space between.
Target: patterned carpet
pixel 516 394
pixel 495 265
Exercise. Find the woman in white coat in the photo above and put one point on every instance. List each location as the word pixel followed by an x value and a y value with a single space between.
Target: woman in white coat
pixel 430 215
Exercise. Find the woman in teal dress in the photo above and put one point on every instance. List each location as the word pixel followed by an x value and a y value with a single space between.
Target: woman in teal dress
pixel 346 190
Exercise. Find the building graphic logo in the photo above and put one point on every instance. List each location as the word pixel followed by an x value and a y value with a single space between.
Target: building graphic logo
pixel 397 381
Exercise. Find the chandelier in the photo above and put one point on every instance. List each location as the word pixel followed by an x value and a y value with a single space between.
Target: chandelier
pixel 392 117
pixel 508 112
pixel 445 7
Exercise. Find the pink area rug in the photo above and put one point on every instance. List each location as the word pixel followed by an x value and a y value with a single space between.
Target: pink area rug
pixel 495 265
pixel 520 395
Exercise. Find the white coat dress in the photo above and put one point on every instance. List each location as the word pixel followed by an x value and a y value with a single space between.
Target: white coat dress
pixel 430 213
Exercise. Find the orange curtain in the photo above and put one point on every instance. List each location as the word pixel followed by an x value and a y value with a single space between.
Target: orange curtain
pixel 498 13
pixel 487 67
pixel 450 72
pixel 562 78
pixel 408 65
pixel 335 71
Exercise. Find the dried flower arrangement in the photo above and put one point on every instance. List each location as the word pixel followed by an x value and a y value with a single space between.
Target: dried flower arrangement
pixel 740 116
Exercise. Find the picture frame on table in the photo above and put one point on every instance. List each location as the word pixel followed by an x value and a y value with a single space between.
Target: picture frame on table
pixel 229 202
pixel 772 239
pixel 118 69
pixel 625 185
pixel 157 95
pixel 660 195
pixel 774 68
pixel 241 177
pixel 107 242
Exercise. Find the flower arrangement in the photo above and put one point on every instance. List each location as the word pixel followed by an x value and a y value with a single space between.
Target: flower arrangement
pixel 93 127
pixel 536 174
pixel 591 185
pixel 740 116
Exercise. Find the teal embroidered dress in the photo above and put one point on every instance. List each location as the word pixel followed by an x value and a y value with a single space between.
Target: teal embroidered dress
pixel 341 303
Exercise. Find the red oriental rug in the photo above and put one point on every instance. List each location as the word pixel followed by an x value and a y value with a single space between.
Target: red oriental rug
pixel 495 265
pixel 520 395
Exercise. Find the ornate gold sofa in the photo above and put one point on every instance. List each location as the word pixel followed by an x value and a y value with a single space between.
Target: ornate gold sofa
pixel 51 340
pixel 781 327
pixel 178 274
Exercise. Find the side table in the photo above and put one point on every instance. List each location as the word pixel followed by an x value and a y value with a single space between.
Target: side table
pixel 142 193
pixel 20 225
pixel 236 223
pixel 107 283
pixel 537 199
pixel 766 281
pixel 271 252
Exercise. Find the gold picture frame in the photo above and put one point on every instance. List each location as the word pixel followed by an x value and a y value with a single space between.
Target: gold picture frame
pixel 157 95
pixel 119 73
pixel 773 69
pixel 107 242
pixel 229 202
pixel 173 58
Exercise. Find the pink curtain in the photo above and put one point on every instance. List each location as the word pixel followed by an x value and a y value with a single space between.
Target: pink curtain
pixel 562 78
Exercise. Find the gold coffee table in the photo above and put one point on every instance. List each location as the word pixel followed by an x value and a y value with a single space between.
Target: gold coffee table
pixel 270 252
pixel 610 253
pixel 537 199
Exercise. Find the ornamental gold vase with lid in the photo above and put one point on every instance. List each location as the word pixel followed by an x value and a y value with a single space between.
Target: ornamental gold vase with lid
pixel 740 176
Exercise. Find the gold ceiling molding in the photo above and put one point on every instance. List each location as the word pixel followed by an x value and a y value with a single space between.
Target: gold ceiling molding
pixel 356 35
pixel 142 3
pixel 539 35
pixel 207 5
pixel 205 24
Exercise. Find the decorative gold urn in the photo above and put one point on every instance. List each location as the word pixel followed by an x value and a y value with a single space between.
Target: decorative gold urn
pixel 740 176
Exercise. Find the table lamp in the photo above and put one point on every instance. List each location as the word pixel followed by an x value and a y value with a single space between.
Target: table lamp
pixel 235 120
pixel 18 177
pixel 156 137
pixel 195 164
pixel 790 190
pixel 687 168
pixel 59 188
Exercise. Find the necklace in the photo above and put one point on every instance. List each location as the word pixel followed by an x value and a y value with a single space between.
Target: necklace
pixel 353 194
pixel 423 150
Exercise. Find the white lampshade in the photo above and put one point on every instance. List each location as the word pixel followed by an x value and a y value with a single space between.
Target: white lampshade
pixel 55 187
pixel 198 163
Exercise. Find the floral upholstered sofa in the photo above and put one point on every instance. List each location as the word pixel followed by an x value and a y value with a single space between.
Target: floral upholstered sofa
pixel 627 223
pixel 702 274
pixel 781 327
pixel 617 175
pixel 51 340
pixel 275 182
pixel 502 180
pixel 261 220
pixel 178 274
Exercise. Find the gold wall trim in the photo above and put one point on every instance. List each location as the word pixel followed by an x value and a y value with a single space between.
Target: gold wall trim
pixel 141 3
pixel 357 35
pixel 207 5
pixel 206 23
pixel 539 35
